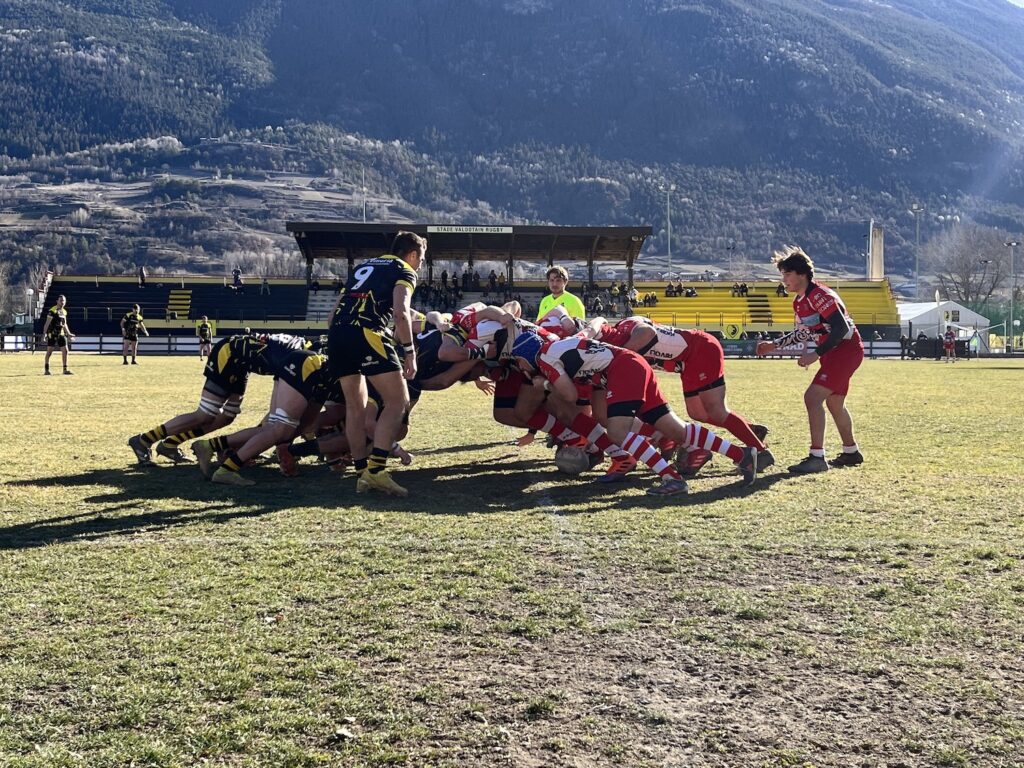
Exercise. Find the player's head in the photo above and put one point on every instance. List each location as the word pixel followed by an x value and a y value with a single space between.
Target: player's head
pixel 204 318
pixel 526 349
pixel 247 331
pixel 135 307
pixel 558 278
pixel 61 300
pixel 793 259
pixel 410 248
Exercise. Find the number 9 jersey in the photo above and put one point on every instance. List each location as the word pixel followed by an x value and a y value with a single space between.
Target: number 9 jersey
pixel 368 301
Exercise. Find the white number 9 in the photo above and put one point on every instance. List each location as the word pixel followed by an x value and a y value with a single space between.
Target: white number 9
pixel 361 275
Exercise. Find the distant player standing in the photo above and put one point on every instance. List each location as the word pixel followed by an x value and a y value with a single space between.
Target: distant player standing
pixel 131 324
pixel 361 348
pixel 558 279
pixel 205 333
pixel 949 344
pixel 57 334
pixel 821 313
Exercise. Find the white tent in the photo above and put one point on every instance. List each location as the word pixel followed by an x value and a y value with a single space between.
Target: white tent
pixel 932 318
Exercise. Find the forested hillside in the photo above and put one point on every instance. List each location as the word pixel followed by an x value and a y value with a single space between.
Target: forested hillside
pixel 776 120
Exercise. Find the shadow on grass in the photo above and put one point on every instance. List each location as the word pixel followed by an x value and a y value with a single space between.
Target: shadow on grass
pixel 165 497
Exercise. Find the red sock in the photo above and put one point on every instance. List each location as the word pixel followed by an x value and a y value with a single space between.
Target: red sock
pixel 741 428
pixel 702 437
pixel 640 448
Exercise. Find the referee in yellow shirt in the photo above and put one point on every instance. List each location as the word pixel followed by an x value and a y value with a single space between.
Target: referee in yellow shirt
pixel 558 278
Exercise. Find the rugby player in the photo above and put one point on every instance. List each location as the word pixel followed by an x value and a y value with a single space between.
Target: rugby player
pixel 302 385
pixel 630 391
pixel 821 314
pixel 227 374
pixel 131 324
pixel 700 360
pixel 362 349
pixel 57 334
pixel 205 333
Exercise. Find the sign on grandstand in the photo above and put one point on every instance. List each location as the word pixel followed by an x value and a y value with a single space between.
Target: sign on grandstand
pixel 469 230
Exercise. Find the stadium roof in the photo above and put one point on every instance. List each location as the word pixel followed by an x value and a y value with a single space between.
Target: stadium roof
pixel 549 244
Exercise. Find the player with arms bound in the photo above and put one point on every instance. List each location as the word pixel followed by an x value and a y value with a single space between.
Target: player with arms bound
pixel 821 314
pixel 361 348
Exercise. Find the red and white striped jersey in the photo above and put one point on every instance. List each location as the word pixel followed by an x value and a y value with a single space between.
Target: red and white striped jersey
pixel 670 344
pixel 576 357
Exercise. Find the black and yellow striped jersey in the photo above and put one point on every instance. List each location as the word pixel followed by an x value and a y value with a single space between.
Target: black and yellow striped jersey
pixel 368 300
pixel 58 321
pixel 132 321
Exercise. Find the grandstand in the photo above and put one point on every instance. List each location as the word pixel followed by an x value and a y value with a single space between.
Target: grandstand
pixel 172 305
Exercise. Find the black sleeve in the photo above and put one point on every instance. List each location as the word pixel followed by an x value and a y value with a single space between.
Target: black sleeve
pixel 838 328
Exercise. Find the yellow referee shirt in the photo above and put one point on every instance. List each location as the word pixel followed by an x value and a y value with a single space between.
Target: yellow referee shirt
pixel 571 303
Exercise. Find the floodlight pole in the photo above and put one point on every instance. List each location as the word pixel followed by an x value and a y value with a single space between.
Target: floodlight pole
pixel 1012 245
pixel 669 189
pixel 364 195
pixel 917 209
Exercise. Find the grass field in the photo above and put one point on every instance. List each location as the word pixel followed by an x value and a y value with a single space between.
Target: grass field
pixel 504 615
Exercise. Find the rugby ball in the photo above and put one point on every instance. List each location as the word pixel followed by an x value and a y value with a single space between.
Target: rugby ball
pixel 571 460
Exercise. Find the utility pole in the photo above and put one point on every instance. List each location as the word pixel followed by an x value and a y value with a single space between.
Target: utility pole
pixel 917 209
pixel 1012 245
pixel 364 195
pixel 669 189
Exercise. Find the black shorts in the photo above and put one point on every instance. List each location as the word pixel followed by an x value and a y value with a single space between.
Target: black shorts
pixel 57 342
pixel 131 337
pixel 353 350
pixel 305 372
pixel 203 340
pixel 225 375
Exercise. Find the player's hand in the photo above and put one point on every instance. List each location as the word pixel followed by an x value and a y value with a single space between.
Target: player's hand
pixel 409 366
pixel 807 358
pixel 485 385
pixel 526 439
pixel 765 348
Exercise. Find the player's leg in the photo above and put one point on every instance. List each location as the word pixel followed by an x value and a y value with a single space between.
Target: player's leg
pixel 395 395
pixel 354 389
pixel 211 402
pixel 287 409
pixel 692 434
pixel 46 360
pixel 125 345
pixel 814 402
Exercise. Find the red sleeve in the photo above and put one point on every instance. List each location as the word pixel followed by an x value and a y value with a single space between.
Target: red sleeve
pixel 551 373
pixel 823 303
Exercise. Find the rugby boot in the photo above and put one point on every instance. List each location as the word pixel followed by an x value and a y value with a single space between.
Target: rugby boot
pixel 382 481
pixel 142 453
pixel 227 477
pixel 765 459
pixel 693 462
pixel 173 453
pixel 289 467
pixel 810 465
pixel 848 459
pixel 748 465
pixel 670 486
pixel 620 467
pixel 362 484
pixel 204 455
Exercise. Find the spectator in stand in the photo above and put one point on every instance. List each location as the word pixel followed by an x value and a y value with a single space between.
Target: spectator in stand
pixel 444 278
pixel 735 290
pixel 670 290
pixel 142 277
pixel 501 282
pixel 904 346
pixel 264 287
pixel 236 277
pixel 476 280
pixel 314 285
pixel 492 281
pixel 780 290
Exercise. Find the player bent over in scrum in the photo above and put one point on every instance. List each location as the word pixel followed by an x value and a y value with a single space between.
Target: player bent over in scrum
pixel 700 360
pixel 301 386
pixel 227 374
pixel 630 391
